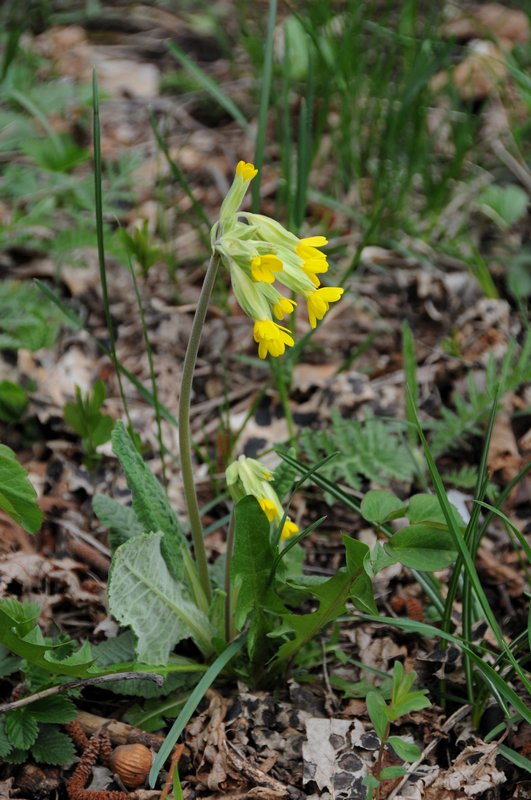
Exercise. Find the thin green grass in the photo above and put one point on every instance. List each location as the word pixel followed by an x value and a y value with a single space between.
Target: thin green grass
pixel 101 243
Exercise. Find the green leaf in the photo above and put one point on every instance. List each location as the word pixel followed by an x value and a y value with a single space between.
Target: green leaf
pixel 21 727
pixel 19 634
pixel 26 319
pixel 56 708
pixel 252 559
pixel 377 711
pixel 144 595
pixel 504 205
pixel 332 595
pixel 392 772
pixel 121 520
pixel 5 744
pixel 17 495
pixel 149 501
pixel 423 546
pixel 407 751
pixel 426 508
pixel 371 782
pixel 378 506
pixel 367 448
pixel 13 401
pixel 53 747
pixel 8 663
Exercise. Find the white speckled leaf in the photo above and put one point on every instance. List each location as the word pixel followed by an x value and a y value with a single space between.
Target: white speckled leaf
pixel 143 594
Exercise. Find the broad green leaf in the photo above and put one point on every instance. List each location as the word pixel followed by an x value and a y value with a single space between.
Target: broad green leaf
pixel 17 495
pixel 332 595
pixel 377 711
pixel 53 747
pixel 252 559
pixel 149 501
pixel 396 771
pixel 121 520
pixel 27 320
pixel 426 508
pixel 378 506
pixel 21 727
pixel 370 782
pixel 423 546
pixel 30 644
pixel 407 751
pixel 56 708
pixel 144 595
pixel 13 401
pixel 504 205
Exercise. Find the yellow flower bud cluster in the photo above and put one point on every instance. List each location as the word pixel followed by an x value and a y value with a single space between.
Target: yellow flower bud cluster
pixel 248 476
pixel 259 252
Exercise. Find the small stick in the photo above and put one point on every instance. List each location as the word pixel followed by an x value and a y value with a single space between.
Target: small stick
pixel 64 687
pixel 119 732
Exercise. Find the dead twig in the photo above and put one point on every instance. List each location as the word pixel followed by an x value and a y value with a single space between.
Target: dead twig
pixel 77 684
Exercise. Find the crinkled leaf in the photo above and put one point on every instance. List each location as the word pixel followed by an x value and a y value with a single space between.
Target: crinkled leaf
pixel 5 744
pixel 53 747
pixel 21 727
pixel 144 595
pixel 121 520
pixel 149 501
pixel 17 495
pixel 423 546
pixel 56 708
pixel 378 506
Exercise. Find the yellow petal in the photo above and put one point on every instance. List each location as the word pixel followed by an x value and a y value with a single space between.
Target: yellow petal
pixel 246 170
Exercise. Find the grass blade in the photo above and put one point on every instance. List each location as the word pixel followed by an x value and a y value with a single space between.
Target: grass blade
pixel 209 85
pixel 191 704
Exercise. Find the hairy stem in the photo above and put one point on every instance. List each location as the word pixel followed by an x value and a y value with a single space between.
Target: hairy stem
pixel 185 441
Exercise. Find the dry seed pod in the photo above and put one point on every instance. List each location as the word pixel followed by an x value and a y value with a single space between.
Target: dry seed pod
pixel 131 762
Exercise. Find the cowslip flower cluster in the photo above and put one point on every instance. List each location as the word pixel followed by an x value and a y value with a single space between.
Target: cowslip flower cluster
pixel 259 253
pixel 248 476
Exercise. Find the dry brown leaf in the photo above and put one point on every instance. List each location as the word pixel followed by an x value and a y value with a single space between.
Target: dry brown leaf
pixel 500 573
pixel 465 779
pixel 494 19
pixel 31 570
pixel 481 71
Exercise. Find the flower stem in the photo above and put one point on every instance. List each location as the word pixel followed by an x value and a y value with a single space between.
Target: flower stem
pixel 228 598
pixel 185 441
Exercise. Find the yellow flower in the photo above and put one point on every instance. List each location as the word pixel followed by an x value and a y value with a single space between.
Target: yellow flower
pixel 319 302
pixel 268 507
pixel 263 268
pixel 259 252
pixel 288 529
pixel 271 338
pixel 283 307
pixel 246 170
